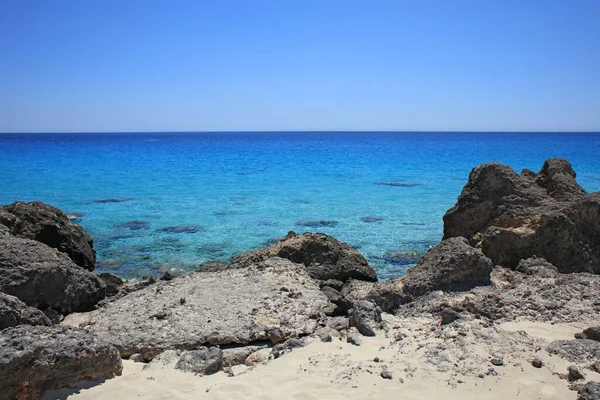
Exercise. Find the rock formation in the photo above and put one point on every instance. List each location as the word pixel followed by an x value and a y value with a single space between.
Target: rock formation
pixel 34 359
pixel 14 312
pixel 49 225
pixel 512 216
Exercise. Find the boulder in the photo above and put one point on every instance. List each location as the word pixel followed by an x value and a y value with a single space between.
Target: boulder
pixel 113 283
pixel 512 216
pixel 592 333
pixel 203 361
pixel 49 225
pixel 35 359
pixel 323 256
pixel 269 301
pixel 238 355
pixel 366 317
pixel 590 391
pixel 14 312
pixel 43 277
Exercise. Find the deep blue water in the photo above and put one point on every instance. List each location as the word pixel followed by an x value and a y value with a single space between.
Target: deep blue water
pixel 229 192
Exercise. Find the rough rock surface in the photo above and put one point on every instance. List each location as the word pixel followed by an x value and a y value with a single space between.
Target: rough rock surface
pixel 590 391
pixel 203 360
pixel 49 225
pixel 235 306
pixel 578 351
pixel 34 359
pixel 452 265
pixel 366 317
pixel 14 312
pixel 238 355
pixel 323 256
pixel 512 216
pixel 42 277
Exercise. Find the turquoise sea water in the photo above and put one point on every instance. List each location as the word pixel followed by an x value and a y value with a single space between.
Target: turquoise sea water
pixel 163 200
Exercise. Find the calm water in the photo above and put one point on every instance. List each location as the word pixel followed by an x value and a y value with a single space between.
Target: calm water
pixel 199 197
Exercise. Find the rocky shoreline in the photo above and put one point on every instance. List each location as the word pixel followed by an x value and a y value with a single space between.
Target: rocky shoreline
pixel 516 247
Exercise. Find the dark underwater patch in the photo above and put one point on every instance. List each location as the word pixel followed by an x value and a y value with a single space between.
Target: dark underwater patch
pixel 317 223
pixel 405 258
pixel 301 201
pixel 109 201
pixel 399 184
pixel 133 225
pixel 179 229
pixel 369 219
pixel 226 213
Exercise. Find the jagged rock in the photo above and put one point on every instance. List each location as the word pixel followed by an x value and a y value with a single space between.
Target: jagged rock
pixel 113 283
pixel 366 317
pixel 451 265
pixel 238 355
pixel 34 359
pixel 590 391
pixel 323 256
pixel 449 315
pixel 49 225
pixel 235 306
pixel 503 278
pixel 3 231
pixel 257 357
pixel 42 277
pixel 166 359
pixel 513 217
pixel 355 290
pixel 354 338
pixel 538 267
pixel 204 361
pixel 592 333
pixel 137 357
pixel 14 312
pixel 574 374
pixel 578 351
pixel 390 294
pixel 342 305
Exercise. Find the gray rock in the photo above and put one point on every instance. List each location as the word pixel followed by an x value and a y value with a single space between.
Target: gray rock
pixel 577 351
pixel 323 256
pixel 34 359
pixel 449 315
pixel 386 374
pixel 49 225
pixel 366 317
pixel 113 283
pixel 590 391
pixel 235 306
pixel 257 357
pixel 3 231
pixel 354 338
pixel 204 361
pixel 537 267
pixel 238 355
pixel 592 333
pixel 574 374
pixel 497 361
pixel 537 362
pixel 14 312
pixel 164 360
pixel 513 217
pixel 42 277
pixel 137 357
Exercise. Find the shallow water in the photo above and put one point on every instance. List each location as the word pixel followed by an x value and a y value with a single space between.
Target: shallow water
pixel 159 201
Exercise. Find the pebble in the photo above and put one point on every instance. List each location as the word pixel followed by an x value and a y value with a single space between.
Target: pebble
pixel 537 362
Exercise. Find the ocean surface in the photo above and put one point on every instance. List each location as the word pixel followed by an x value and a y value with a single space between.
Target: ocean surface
pixel 159 201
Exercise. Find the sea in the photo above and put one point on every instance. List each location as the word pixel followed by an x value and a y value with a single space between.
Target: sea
pixel 171 201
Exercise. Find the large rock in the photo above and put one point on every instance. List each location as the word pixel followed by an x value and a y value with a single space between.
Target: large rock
pixel 512 216
pixel 272 300
pixel 203 361
pixel 49 225
pixel 323 256
pixel 34 359
pixel 43 277
pixel 14 312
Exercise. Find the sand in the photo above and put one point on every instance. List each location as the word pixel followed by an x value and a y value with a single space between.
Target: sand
pixel 340 370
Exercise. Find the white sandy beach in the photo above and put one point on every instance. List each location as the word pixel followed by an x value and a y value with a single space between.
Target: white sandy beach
pixel 339 370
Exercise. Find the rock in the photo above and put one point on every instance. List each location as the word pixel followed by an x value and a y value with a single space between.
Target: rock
pixel 113 283
pixel 595 366
pixel 449 315
pixel 537 267
pixel 165 360
pixel 354 338
pixel 592 333
pixel 503 278
pixel 355 290
pixel 204 361
pixel 573 373
pixel 34 359
pixel 342 305
pixel 172 274
pixel 386 374
pixel 235 306
pixel 14 312
pixel 366 317
pixel 537 362
pixel 451 265
pixel 3 231
pixel 137 357
pixel 238 355
pixel 497 361
pixel 512 217
pixel 290 344
pixel 323 256
pixel 578 351
pixel 325 337
pixel 49 225
pixel 590 391
pixel 257 357
pixel 389 295
pixel 42 277
pixel 212 266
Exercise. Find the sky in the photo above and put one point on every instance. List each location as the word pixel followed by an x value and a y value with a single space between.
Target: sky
pixel 179 65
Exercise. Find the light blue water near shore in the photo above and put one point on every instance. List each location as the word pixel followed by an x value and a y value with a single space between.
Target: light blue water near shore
pixel 231 192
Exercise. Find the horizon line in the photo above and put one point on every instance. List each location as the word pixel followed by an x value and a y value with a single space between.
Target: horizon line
pixel 292 131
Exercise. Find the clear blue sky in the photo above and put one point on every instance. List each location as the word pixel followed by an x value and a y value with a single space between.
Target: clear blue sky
pixel 175 65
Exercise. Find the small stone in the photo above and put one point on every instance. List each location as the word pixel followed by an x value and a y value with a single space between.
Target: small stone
pixel 497 361
pixel 376 359
pixel 354 338
pixel 385 374
pixel 137 357
pixel 595 366
pixel 537 362
pixel 574 374
pixel 449 315
pixel 325 337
